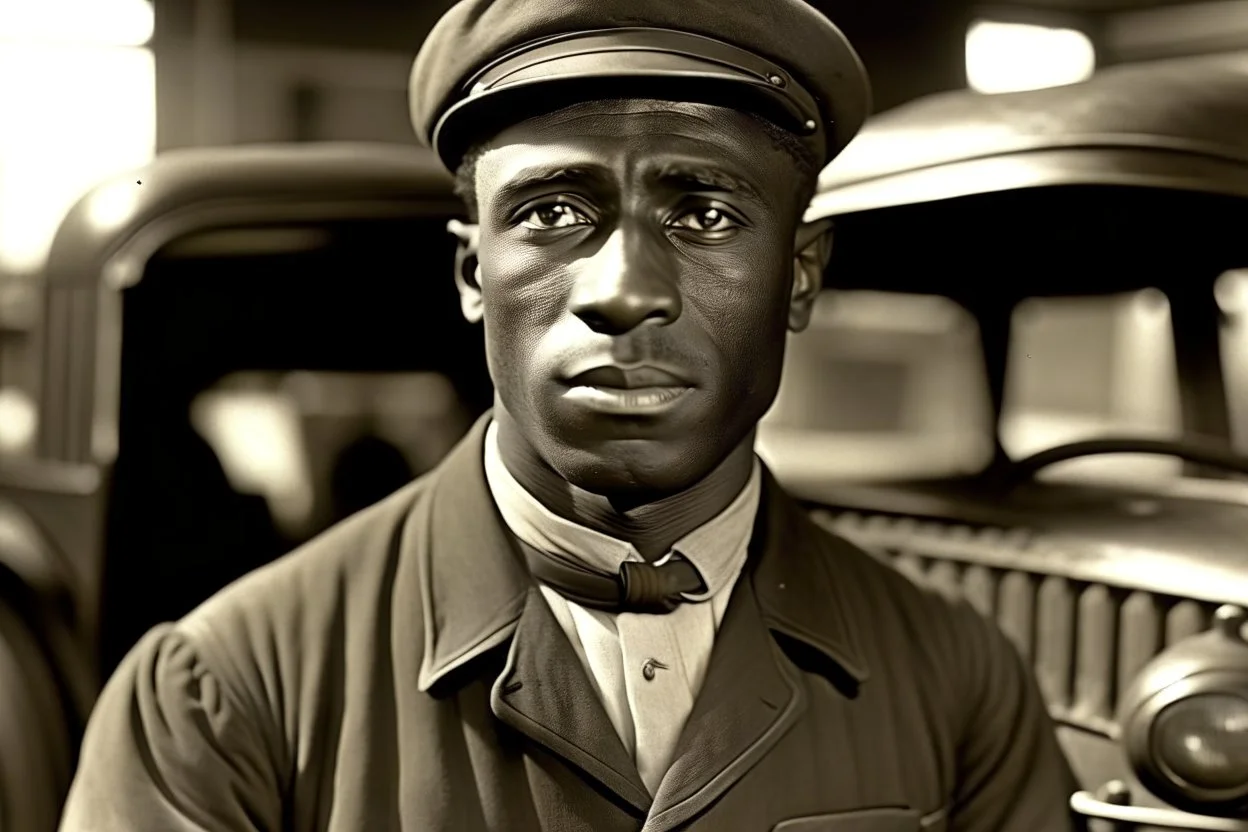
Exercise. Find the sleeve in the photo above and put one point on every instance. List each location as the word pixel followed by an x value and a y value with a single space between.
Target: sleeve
pixel 1012 774
pixel 169 747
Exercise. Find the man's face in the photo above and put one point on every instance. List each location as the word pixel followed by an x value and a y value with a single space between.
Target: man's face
pixel 636 279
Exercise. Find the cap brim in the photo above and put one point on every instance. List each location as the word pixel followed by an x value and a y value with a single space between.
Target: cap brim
pixel 484 115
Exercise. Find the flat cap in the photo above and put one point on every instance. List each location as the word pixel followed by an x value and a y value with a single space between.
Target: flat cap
pixel 488 64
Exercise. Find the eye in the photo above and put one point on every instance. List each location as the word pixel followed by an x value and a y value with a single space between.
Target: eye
pixel 554 215
pixel 707 220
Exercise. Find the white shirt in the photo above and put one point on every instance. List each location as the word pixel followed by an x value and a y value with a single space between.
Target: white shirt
pixel 648 714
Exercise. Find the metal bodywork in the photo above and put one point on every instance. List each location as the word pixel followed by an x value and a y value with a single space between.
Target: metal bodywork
pixel 49 529
pixel 1136 178
pixel 104 244
pixel 56 510
pixel 221 206
pixel 1177 125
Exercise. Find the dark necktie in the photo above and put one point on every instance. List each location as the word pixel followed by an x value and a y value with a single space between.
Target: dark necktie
pixel 637 587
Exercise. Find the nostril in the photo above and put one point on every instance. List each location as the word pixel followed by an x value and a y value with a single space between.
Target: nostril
pixel 595 321
pixel 621 314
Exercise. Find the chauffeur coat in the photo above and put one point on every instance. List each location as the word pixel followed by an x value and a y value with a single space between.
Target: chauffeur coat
pixel 401 672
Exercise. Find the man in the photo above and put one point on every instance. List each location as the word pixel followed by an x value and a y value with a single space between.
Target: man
pixel 600 612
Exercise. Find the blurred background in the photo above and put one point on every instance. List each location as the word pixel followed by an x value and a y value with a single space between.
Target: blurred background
pixel 278 377
pixel 89 88
pixel 884 385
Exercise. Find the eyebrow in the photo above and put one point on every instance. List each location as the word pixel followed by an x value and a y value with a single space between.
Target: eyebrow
pixel 529 178
pixel 687 176
pixel 698 178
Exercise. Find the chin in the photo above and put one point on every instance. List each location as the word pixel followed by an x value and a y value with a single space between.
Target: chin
pixel 633 468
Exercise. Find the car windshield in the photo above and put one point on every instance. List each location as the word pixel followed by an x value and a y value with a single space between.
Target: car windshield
pixel 890 386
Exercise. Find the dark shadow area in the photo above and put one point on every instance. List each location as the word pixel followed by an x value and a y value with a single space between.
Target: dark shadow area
pixel 367 470
pixel 373 296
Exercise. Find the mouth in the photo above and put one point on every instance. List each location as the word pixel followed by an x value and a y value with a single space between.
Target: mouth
pixel 627 378
pixel 627 390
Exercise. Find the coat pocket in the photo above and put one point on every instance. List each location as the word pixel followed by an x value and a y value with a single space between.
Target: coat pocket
pixel 859 820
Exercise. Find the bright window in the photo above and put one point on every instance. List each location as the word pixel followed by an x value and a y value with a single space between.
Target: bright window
pixel 1011 57
pixel 1091 367
pixel 881 386
pixel 78 105
pixel 1231 290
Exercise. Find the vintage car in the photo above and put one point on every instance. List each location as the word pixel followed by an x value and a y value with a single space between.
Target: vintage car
pixel 1073 259
pixel 291 299
pixel 232 335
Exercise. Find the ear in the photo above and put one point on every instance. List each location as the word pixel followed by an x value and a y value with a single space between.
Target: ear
pixel 813 249
pixel 468 269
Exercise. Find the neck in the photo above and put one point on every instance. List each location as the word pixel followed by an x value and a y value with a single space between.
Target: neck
pixel 653 524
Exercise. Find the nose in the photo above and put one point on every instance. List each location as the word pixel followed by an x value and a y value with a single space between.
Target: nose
pixel 626 283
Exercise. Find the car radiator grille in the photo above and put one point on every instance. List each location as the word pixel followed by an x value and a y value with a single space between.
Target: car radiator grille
pixel 1086 640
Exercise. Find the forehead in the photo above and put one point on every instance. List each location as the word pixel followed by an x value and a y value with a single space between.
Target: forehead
pixel 625 133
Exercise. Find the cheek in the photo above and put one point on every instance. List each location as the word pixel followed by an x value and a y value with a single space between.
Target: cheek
pixel 523 298
pixel 519 287
pixel 744 311
pixel 746 320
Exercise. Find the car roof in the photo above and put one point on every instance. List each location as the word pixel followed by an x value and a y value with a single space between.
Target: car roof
pixel 188 190
pixel 1178 124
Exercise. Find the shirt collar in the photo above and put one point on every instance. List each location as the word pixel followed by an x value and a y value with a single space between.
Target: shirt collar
pixel 716 548
pixel 471 585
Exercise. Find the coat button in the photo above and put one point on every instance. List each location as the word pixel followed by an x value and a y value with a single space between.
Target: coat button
pixel 651 665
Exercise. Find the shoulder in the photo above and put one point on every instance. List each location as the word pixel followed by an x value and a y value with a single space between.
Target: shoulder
pixel 962 692
pixel 905 595
pixel 171 740
pixel 907 616
pixel 288 619
pixel 930 653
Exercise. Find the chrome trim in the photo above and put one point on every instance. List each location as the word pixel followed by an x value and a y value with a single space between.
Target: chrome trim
pixel 1087 805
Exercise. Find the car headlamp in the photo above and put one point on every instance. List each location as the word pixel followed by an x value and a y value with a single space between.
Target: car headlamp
pixel 1184 720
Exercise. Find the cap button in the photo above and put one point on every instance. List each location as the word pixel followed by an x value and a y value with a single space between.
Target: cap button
pixel 776 80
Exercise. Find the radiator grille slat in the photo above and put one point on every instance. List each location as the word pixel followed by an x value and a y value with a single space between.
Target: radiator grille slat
pixel 944 575
pixel 1187 618
pixel 1085 641
pixel 1095 644
pixel 1017 613
pixel 1140 634
pixel 980 583
pixel 1056 640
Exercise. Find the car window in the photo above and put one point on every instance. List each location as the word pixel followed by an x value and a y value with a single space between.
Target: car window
pixel 318 446
pixel 881 386
pixel 1087 367
pixel 893 386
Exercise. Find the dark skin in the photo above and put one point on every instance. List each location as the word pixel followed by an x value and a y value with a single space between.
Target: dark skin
pixel 637 233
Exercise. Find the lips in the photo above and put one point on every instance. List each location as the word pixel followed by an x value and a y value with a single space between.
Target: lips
pixel 627 378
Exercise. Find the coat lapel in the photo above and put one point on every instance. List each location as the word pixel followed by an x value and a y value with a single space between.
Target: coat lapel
pixel 476 596
pixel 749 699
pixel 753 694
pixel 545 694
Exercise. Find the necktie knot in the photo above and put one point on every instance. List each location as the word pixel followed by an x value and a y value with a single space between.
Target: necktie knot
pixel 637 587
pixel 648 588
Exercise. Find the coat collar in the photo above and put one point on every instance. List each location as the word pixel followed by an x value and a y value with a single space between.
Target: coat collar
pixel 717 548
pixel 473 584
